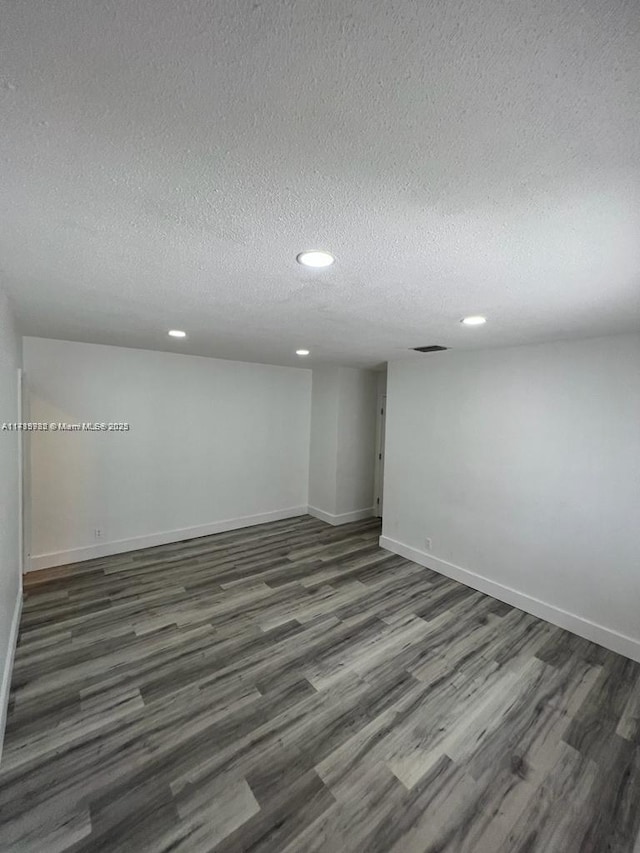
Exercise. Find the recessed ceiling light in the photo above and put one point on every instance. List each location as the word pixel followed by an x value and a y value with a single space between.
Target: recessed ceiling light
pixel 315 258
pixel 474 321
pixel 302 352
pixel 177 333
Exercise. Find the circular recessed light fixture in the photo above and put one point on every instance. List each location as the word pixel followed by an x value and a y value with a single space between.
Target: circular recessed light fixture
pixel 315 258
pixel 473 321
pixel 177 333
pixel 302 352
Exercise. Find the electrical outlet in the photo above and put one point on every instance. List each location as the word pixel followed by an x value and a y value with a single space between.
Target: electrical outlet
pixel 98 532
pixel 427 544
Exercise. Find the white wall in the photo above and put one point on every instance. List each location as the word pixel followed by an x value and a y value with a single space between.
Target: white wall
pixel 342 456
pixel 523 466
pixel 10 592
pixel 323 453
pixel 213 444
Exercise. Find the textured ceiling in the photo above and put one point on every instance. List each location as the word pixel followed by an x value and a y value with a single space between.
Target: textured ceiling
pixel 163 162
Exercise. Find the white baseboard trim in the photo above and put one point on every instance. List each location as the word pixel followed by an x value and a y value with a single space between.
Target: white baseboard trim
pixel 342 518
pixel 5 688
pixel 120 546
pixel 607 637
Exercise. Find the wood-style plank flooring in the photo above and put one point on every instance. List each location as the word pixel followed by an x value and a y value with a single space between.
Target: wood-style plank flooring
pixel 292 687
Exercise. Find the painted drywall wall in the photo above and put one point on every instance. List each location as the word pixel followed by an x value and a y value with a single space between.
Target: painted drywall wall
pixel 10 581
pixel 323 452
pixel 522 466
pixel 342 455
pixel 212 444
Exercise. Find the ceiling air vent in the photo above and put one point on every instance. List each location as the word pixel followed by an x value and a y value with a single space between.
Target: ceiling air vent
pixel 430 349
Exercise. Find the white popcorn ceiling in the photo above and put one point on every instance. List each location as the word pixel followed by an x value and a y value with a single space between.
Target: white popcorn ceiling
pixel 164 161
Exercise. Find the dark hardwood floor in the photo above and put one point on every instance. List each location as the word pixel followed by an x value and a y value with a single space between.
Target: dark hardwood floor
pixel 292 687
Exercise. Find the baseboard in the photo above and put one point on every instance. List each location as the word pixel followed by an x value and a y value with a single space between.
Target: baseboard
pixel 120 546
pixel 607 637
pixel 5 688
pixel 342 518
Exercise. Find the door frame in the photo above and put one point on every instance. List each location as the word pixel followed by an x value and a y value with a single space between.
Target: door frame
pixel 20 484
pixel 24 503
pixel 381 417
